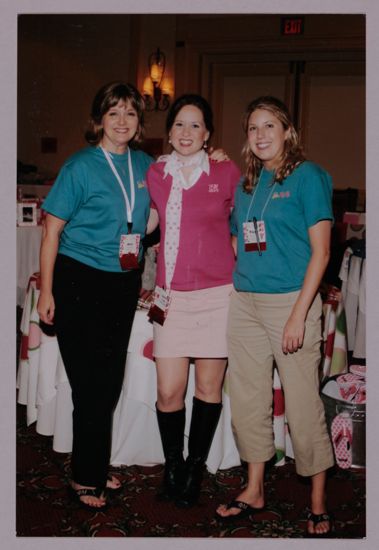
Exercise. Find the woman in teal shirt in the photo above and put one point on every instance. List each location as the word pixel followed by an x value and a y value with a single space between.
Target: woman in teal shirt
pixel 97 212
pixel 281 226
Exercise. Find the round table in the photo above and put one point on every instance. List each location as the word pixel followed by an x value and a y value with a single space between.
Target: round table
pixel 44 388
pixel 28 249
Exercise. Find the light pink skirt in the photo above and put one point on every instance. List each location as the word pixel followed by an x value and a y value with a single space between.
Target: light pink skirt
pixel 195 325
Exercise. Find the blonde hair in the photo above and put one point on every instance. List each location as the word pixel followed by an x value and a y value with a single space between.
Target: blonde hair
pixel 292 153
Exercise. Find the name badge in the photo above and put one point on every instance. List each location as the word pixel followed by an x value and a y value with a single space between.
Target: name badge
pixel 128 253
pixel 160 304
pixel 254 236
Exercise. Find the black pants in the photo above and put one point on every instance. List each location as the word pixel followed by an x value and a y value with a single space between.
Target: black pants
pixel 93 320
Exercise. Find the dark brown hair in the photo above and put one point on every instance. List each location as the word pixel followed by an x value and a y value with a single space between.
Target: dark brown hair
pixel 292 153
pixel 107 97
pixel 191 99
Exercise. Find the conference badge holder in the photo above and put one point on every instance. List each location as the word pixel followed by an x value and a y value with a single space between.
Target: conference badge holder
pixel 129 249
pixel 160 304
pixel 254 236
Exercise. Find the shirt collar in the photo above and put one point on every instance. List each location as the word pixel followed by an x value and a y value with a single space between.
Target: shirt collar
pixel 173 163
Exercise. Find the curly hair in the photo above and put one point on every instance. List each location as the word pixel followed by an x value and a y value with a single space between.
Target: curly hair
pixel 292 153
pixel 108 96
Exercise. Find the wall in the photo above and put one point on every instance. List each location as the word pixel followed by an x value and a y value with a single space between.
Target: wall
pixel 156 30
pixel 233 59
pixel 62 61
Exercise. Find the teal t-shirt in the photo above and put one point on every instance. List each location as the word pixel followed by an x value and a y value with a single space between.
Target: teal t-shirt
pixel 88 197
pixel 300 201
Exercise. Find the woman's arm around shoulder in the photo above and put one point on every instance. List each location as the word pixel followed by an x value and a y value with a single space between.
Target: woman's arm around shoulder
pixel 153 221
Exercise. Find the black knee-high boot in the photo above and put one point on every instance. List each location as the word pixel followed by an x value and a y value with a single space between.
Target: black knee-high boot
pixel 171 428
pixel 204 422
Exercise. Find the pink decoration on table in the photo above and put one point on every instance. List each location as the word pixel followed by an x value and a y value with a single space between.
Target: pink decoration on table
pixel 24 347
pixel 334 336
pixel 34 336
pixel 355 218
pixel 278 402
pixel 148 350
pixel 342 438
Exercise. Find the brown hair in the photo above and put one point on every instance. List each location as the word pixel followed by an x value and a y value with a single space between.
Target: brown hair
pixel 191 99
pixel 107 97
pixel 292 153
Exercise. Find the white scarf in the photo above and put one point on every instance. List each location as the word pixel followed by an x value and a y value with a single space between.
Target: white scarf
pixel 173 167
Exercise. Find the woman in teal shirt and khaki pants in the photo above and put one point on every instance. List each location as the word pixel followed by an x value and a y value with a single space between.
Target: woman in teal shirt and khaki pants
pixel 281 225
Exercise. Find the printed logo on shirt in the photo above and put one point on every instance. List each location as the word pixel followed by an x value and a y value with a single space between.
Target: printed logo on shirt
pixel 141 184
pixel 213 188
pixel 281 195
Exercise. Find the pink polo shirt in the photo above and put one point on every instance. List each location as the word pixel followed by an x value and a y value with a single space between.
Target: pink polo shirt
pixel 205 257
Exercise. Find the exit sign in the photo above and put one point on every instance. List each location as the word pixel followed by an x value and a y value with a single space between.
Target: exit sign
pixel 291 26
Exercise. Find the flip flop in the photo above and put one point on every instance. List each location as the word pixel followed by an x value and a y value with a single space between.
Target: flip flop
pixel 75 495
pixel 360 370
pixel 245 511
pixel 350 385
pixel 319 518
pixel 342 439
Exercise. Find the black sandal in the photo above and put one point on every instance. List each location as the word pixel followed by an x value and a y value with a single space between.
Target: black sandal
pixel 319 518
pixel 245 511
pixel 75 495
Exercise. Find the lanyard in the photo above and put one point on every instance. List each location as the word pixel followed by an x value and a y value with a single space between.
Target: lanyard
pixel 129 205
pixel 253 197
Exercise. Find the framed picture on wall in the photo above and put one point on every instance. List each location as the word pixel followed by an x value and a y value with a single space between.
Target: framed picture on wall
pixel 26 213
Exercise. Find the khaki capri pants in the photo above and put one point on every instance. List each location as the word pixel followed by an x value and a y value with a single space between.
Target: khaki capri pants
pixel 255 329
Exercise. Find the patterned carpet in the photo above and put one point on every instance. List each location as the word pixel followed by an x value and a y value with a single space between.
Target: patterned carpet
pixel 44 509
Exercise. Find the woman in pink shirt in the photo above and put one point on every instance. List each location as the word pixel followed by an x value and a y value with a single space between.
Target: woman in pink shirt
pixel 193 197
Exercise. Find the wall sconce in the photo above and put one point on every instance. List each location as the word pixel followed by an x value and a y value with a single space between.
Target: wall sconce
pixel 159 100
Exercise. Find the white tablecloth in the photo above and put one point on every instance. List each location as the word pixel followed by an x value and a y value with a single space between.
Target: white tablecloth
pixel 45 390
pixel 28 248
